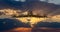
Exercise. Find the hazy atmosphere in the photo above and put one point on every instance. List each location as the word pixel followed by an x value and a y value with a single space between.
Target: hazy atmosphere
pixel 30 15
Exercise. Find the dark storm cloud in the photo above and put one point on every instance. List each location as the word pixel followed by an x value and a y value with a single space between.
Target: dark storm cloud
pixel 7 24
pixel 48 8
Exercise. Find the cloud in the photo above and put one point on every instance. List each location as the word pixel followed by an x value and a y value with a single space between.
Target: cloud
pixel 43 8
pixel 20 0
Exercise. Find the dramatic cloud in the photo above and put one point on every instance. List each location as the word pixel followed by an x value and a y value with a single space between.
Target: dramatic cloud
pixel 39 8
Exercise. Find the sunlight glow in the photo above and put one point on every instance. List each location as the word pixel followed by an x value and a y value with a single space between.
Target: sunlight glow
pixel 56 18
pixel 31 20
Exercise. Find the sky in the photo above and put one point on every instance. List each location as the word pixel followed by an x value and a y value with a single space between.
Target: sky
pixel 53 1
pixel 50 1
pixel 21 0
